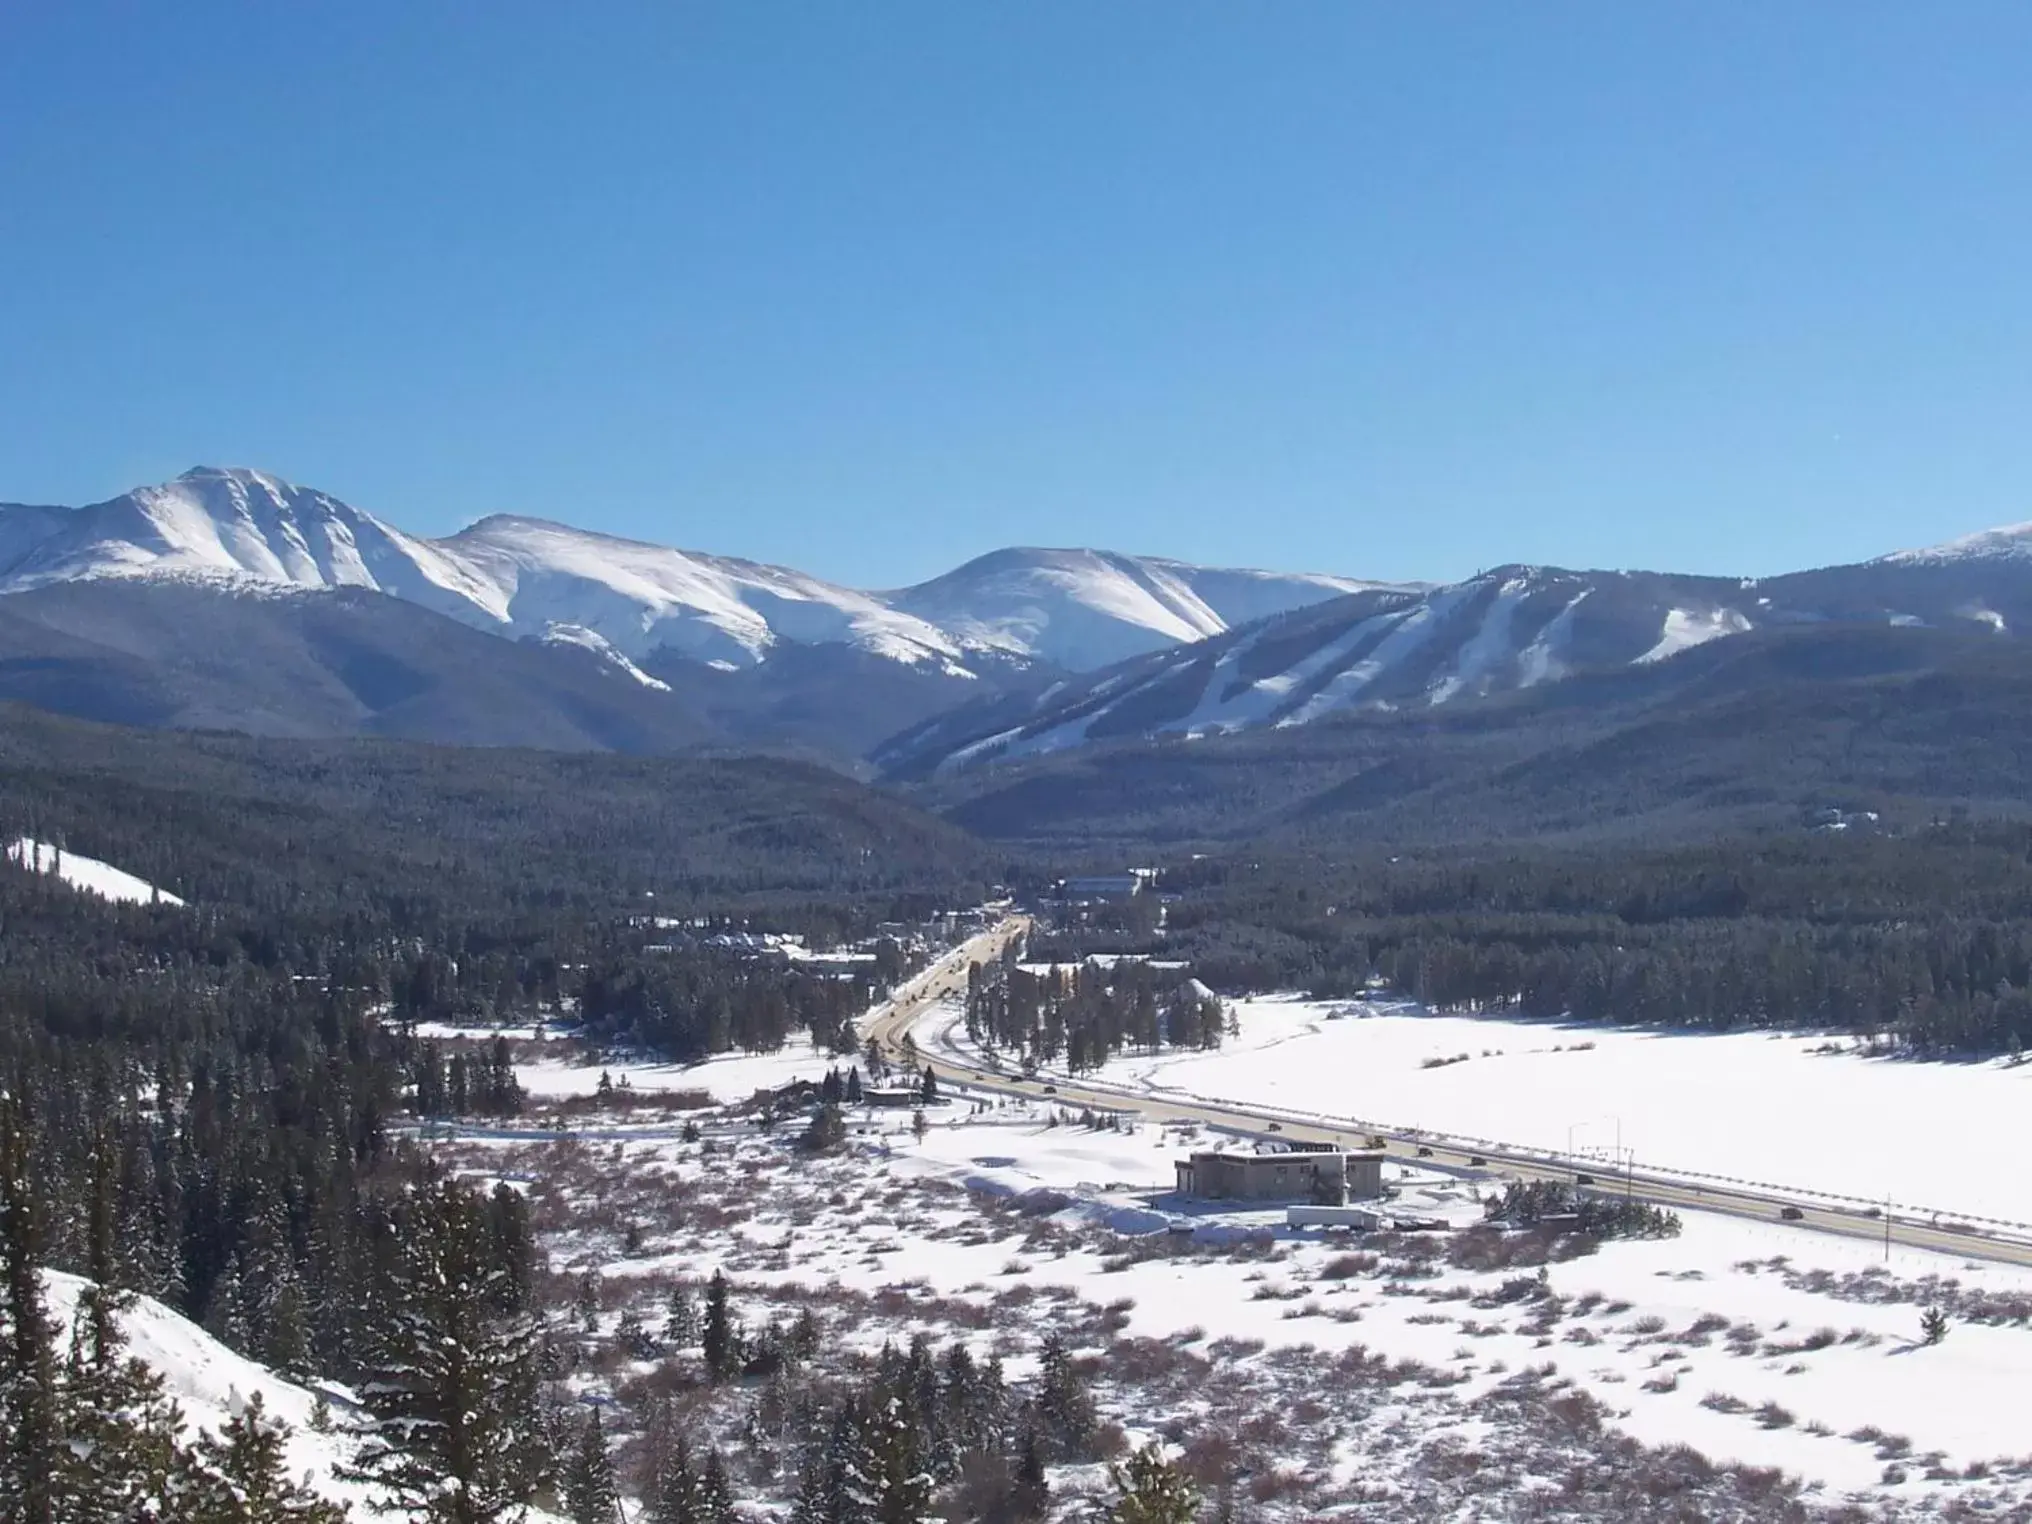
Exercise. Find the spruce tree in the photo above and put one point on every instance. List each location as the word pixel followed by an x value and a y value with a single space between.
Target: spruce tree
pixel 590 1496
pixel 30 1427
pixel 827 1130
pixel 716 1489
pixel 1064 1405
pixel 681 1322
pixel 897 1481
pixel 688 1493
pixel 675 1498
pixel 453 1373
pixel 1152 1490
pixel 720 1342
pixel 1031 1494
pixel 245 1480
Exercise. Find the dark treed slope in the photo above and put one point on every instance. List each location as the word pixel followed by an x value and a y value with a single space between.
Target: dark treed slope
pixel 1921 937
pixel 1754 729
pixel 334 663
pixel 253 821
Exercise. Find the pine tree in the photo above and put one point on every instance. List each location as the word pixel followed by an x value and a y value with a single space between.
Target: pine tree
pixel 717 1490
pixel 30 1428
pixel 827 1130
pixel 675 1499
pixel 244 1479
pixel 681 1322
pixel 687 1493
pixel 1031 1494
pixel 1064 1405
pixel 1933 1324
pixel 1152 1490
pixel 897 1481
pixel 452 1378
pixel 122 1455
pixel 720 1342
pixel 589 1493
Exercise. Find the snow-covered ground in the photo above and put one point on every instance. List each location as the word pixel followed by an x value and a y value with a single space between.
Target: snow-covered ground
pixel 211 1384
pixel 727 1078
pixel 88 873
pixel 1805 1113
pixel 1756 1344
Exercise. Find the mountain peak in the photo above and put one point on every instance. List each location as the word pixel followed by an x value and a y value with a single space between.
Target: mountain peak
pixel 2008 541
pixel 244 476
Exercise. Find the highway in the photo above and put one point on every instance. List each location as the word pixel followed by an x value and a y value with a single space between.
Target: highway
pixel 891 1030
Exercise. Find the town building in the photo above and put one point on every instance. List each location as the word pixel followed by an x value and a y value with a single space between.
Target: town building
pixel 1296 1174
pixel 1105 886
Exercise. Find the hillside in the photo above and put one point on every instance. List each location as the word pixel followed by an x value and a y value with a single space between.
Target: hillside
pixel 1767 728
pixel 256 821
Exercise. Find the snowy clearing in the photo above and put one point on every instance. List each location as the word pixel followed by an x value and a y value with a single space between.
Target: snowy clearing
pixel 88 873
pixel 1758 1345
pixel 1802 1112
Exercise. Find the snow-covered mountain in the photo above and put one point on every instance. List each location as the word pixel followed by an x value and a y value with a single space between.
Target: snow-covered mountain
pixel 528 578
pixel 1508 630
pixel 2009 542
pixel 1083 609
pixel 232 597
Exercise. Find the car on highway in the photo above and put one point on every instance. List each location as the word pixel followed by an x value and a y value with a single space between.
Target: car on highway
pixel 1790 1213
pixel 1424 1152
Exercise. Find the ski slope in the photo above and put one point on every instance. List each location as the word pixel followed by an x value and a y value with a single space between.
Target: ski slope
pixel 88 874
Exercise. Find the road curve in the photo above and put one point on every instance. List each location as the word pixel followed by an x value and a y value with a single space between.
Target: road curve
pixel 890 1030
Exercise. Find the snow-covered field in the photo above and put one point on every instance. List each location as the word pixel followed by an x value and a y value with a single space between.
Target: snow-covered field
pixel 1802 1112
pixel 1758 1345
pixel 87 873
pixel 728 1078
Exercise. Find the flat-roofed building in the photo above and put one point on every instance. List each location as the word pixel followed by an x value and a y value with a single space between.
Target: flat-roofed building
pixel 1294 1175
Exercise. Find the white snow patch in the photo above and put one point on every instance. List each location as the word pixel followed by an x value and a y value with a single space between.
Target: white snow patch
pixel 1686 628
pixel 591 640
pixel 88 874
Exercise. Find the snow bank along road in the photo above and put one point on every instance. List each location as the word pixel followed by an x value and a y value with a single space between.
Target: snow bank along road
pixel 891 1028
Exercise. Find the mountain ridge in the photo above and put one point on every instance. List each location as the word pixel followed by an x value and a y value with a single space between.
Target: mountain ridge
pixel 516 574
pixel 1014 654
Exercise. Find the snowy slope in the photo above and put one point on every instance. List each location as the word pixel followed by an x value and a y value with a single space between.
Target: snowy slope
pixel 2010 541
pixel 1084 609
pixel 1380 648
pixel 211 1384
pixel 642 598
pixel 525 577
pixel 1146 646
pixel 577 637
pixel 88 874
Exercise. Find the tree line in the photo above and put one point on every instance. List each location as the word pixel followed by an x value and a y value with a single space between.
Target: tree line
pixel 1084 1013
pixel 1923 939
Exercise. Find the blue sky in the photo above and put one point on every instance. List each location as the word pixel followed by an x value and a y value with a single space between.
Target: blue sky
pixel 1388 290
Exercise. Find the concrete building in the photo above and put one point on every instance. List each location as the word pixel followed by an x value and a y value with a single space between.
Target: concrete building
pixel 1290 1176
